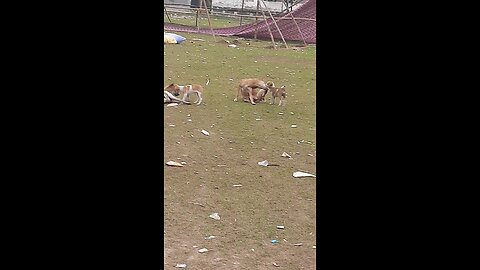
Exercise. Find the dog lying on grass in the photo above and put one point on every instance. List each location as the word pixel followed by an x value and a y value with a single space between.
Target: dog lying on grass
pixel 170 98
pixel 246 88
pixel 187 90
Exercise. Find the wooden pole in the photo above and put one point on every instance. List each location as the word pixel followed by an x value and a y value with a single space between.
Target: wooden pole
pixel 166 12
pixel 274 22
pixel 209 23
pixel 196 21
pixel 269 30
pixel 243 5
pixel 296 24
pixel 256 19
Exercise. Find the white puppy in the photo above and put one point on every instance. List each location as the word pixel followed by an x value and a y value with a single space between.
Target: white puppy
pixel 169 98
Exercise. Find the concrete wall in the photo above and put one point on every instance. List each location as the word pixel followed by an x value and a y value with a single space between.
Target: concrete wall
pixel 183 2
pixel 249 4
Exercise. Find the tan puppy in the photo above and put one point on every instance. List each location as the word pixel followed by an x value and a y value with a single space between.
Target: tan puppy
pixel 187 90
pixel 246 86
pixel 279 93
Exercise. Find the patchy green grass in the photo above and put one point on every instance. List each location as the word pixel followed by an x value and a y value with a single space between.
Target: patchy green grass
pixel 216 21
pixel 240 136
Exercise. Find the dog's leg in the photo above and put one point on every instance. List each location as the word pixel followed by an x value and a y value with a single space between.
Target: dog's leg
pixel 250 95
pixel 185 96
pixel 238 94
pixel 199 94
pixel 196 93
pixel 281 102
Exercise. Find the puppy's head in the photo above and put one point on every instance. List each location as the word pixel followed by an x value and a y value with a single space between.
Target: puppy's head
pixel 270 84
pixel 174 89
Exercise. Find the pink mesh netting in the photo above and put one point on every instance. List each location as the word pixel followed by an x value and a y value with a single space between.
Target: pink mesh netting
pixel 305 9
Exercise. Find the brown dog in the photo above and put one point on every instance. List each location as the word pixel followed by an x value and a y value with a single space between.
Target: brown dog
pixel 246 86
pixel 257 94
pixel 279 93
pixel 187 90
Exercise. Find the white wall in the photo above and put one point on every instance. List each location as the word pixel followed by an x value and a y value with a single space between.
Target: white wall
pixel 249 4
pixel 185 2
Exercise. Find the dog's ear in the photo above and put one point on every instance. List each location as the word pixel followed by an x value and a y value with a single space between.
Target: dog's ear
pixel 283 87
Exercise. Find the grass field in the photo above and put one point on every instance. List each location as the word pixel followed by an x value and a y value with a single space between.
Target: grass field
pixel 240 136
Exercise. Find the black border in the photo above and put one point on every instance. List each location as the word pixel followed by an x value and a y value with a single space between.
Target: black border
pixel 90 108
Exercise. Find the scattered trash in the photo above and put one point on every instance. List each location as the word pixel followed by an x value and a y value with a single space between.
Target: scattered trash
pixel 215 216
pixel 237 185
pixel 314 247
pixel 280 227
pixel 276 265
pixel 302 174
pixel 294 126
pixel 196 203
pixel 170 38
pixel 285 154
pixel 274 241
pixel 174 164
pixel 263 163
pixel 206 133
pixel 181 265
pixel 298 244
pixel 172 104
pixel 203 250
pixel 210 237
pixel 232 46
pixel 171 125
